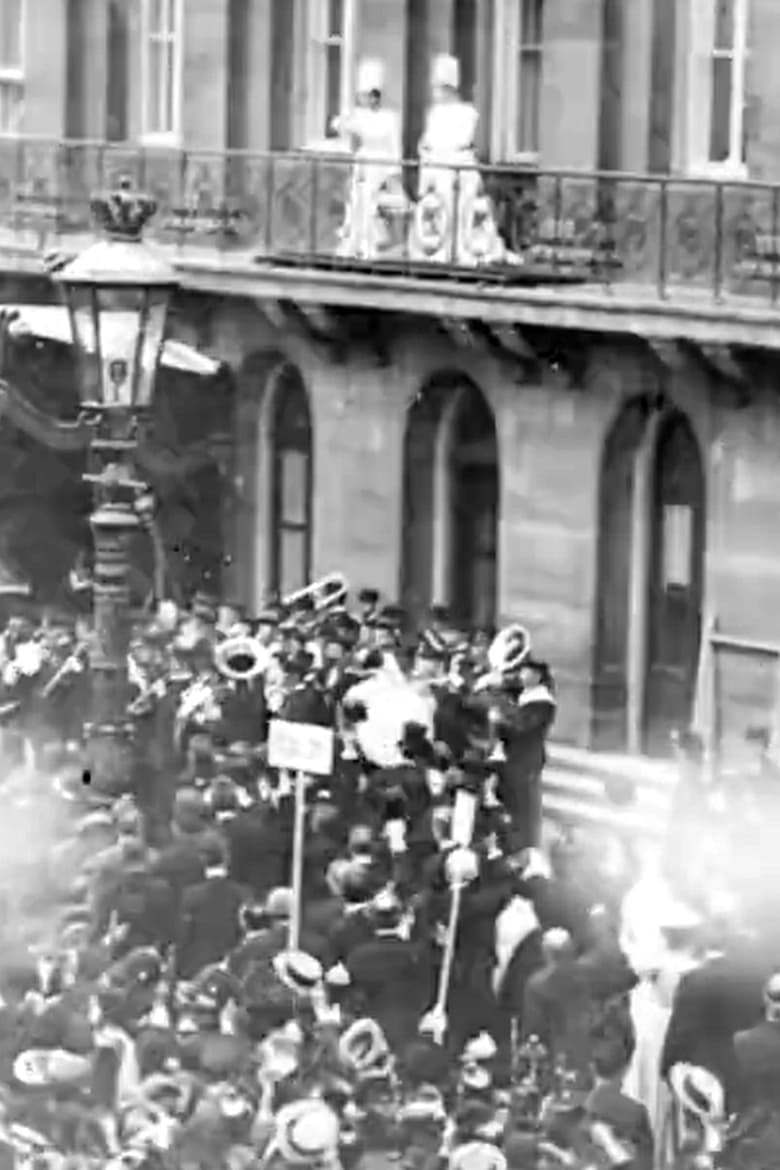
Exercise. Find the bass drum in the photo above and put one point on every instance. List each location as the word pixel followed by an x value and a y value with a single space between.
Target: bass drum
pixel 390 703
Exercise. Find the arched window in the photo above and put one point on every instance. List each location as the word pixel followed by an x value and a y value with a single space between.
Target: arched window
pixel 291 484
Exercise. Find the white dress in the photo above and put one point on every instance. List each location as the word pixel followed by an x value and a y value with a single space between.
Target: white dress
pixel 375 188
pixel 453 222
pixel 651 1009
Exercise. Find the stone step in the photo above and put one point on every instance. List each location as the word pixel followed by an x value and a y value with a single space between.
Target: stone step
pixel 573 790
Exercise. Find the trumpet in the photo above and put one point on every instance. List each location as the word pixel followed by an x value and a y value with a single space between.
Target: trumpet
pixel 316 599
pixel 241 659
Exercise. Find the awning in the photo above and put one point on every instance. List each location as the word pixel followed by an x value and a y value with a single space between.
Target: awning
pixel 52 323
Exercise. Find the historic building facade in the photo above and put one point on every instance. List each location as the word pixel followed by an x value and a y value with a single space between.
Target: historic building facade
pixel 562 409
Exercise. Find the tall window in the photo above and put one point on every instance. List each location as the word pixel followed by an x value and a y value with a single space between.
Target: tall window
pixel 519 59
pixel 117 83
pixel 717 85
pixel 331 66
pixel 162 68
pixel 291 484
pixel 11 65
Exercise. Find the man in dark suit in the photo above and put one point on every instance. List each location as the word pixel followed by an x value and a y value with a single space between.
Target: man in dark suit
pixel 712 1003
pixel 608 1103
pixel 556 1003
pixel 210 924
pixel 758 1053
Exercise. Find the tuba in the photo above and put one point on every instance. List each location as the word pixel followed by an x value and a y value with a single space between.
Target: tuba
pixel 241 659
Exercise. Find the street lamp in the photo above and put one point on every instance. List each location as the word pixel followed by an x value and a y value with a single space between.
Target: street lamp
pixel 117 293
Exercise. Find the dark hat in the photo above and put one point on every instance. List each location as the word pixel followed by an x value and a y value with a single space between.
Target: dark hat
pixel 758 735
pixel 368 596
pixel 414 743
pixel 299 664
pixel 190 814
pixel 440 614
pixel 212 849
pixel 142 967
pixel 214 988
pixel 390 617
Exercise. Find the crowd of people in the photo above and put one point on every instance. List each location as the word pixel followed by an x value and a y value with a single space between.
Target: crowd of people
pixel 432 974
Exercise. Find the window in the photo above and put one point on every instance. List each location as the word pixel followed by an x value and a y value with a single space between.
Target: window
pixel 717 86
pixel 331 66
pixel 292 484
pixel 11 65
pixel 519 58
pixel 162 68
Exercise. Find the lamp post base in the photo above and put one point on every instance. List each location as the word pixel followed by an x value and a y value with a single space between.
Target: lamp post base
pixel 108 761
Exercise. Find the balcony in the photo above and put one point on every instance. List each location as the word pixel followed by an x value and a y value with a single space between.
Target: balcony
pixel 642 239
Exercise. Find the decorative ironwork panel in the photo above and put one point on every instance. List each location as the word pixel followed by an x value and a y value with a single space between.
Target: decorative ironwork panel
pixel 121 162
pixel 81 173
pixel 163 180
pixel 293 210
pixel 329 190
pixel 636 210
pixel 249 194
pixel 691 255
pixel 751 240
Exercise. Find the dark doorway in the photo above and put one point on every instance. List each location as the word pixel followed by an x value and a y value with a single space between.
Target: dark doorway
pixel 291 483
pixel 675 582
pixel 667 624
pixel 450 508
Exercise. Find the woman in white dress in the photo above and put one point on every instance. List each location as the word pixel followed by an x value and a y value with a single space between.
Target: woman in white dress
pixel 657 937
pixel 376 192
pixel 453 221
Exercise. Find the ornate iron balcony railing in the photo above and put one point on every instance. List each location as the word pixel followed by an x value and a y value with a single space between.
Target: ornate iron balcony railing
pixel 673 237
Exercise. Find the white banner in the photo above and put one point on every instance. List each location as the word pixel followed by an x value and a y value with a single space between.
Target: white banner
pixel 300 747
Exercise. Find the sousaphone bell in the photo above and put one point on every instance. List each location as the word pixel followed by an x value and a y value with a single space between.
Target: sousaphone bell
pixel 240 659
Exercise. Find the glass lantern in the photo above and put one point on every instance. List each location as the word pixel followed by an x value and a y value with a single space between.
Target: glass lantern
pixel 117 293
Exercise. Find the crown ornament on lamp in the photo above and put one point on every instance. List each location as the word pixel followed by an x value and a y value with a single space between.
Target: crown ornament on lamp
pixel 123 213
pixel 117 293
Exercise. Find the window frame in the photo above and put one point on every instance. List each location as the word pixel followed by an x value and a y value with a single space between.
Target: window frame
pixel 173 136
pixel 284 440
pixel 14 76
pixel 318 41
pixel 700 108
pixel 508 52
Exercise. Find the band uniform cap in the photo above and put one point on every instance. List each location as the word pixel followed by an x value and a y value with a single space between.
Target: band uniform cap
pixel 370 76
pixel 298 971
pixel 307 1132
pixel 390 617
pixel 477 1155
pixel 445 71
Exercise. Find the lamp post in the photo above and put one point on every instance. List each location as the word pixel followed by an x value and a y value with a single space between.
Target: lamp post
pixel 117 293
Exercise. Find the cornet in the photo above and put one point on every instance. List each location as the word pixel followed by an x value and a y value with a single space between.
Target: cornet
pixel 314 600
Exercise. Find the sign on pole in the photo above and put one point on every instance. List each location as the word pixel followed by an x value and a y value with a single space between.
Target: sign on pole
pixel 300 747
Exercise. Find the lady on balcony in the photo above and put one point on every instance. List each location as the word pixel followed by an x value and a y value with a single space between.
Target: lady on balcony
pixel 453 221
pixel 376 198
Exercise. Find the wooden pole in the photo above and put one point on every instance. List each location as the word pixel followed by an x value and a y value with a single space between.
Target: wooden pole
pixel 297 862
pixel 448 957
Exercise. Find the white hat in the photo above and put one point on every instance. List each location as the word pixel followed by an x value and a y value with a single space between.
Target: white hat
pixel 298 971
pixel 446 71
pixel 675 915
pixel 306 1131
pixel 370 76
pixel 477 1155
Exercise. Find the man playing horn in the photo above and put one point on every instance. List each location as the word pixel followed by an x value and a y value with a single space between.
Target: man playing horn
pixel 521 709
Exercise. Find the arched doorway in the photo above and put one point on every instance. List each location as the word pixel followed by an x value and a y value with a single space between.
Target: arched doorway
pixel 291 481
pixel 650 579
pixel 450 505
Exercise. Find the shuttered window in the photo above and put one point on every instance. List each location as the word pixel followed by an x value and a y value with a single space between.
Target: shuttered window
pixel 717 77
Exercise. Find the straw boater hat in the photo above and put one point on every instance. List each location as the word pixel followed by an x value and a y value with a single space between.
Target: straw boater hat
pixel 307 1132
pixel 299 972
pixel 698 1090
pixel 363 1044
